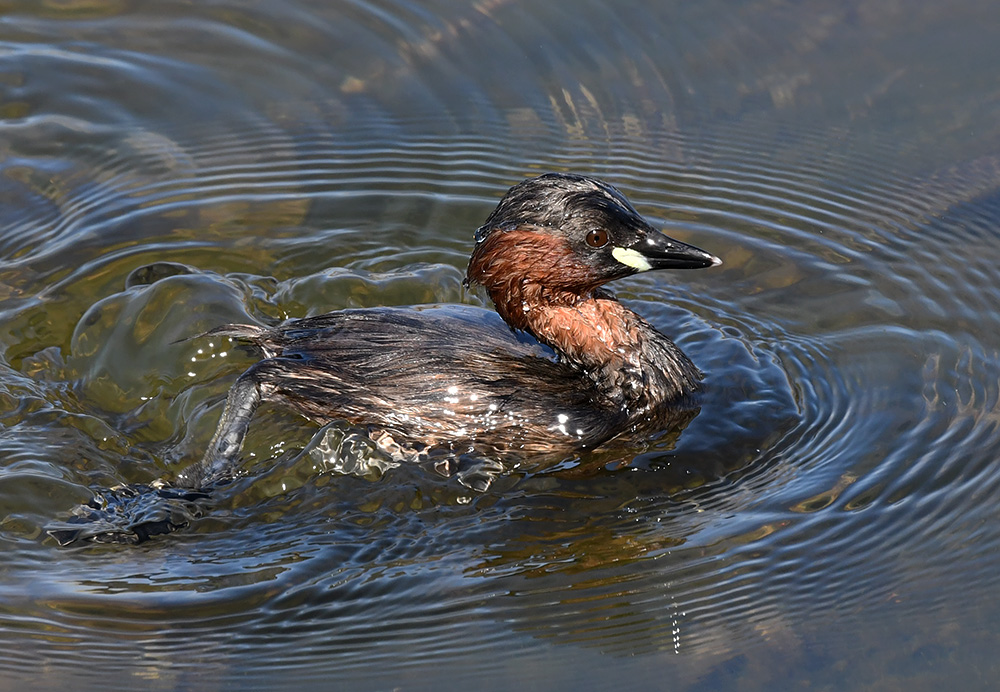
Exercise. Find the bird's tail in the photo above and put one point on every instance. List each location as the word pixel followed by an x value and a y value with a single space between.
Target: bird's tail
pixel 246 332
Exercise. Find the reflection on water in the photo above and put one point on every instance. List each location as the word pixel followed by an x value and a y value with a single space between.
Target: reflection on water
pixel 827 519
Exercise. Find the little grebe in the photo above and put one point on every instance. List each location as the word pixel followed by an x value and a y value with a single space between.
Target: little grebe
pixel 456 378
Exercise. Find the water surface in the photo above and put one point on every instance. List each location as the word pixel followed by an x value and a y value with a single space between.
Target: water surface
pixel 827 520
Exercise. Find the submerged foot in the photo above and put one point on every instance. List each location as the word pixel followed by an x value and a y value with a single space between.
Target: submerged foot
pixel 135 513
pixel 130 514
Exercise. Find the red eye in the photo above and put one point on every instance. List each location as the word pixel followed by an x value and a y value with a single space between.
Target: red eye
pixel 597 238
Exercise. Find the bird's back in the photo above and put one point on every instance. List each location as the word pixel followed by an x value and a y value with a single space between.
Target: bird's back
pixel 433 376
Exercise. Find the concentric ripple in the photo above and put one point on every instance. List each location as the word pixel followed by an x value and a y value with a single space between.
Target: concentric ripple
pixel 167 169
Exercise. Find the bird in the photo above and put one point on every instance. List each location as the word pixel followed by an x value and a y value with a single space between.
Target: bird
pixel 559 366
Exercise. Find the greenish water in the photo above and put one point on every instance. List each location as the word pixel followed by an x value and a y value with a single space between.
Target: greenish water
pixel 827 521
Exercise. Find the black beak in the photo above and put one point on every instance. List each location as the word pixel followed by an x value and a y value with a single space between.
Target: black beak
pixel 657 250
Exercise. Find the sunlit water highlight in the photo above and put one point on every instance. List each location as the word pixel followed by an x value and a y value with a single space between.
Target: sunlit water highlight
pixel 834 494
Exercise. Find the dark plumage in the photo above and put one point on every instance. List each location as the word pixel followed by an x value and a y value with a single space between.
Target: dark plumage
pixel 571 369
pixel 456 377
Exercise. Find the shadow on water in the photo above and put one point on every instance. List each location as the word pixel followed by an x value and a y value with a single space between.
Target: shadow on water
pixel 826 519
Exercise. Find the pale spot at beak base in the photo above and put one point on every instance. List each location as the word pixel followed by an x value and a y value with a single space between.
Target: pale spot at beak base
pixel 631 258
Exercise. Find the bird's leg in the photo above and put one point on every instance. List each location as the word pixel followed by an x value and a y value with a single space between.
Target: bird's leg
pixel 134 513
pixel 224 449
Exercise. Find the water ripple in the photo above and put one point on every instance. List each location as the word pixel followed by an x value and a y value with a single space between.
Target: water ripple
pixel 843 463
